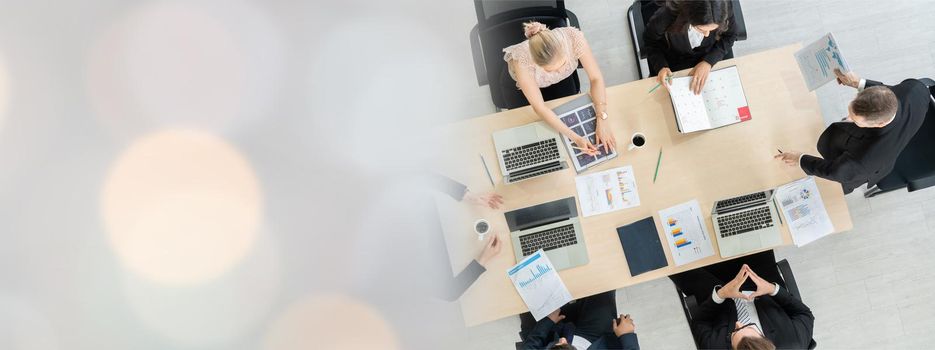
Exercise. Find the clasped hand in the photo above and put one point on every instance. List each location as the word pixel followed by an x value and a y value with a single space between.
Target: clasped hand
pixel 731 290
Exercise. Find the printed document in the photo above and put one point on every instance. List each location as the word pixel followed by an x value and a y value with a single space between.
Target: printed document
pixel 539 284
pixel 801 205
pixel 686 232
pixel 818 60
pixel 721 102
pixel 607 191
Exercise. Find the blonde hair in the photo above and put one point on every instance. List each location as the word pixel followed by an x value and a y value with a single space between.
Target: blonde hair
pixel 544 44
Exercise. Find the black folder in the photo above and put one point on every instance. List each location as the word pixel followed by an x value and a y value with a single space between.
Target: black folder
pixel 641 246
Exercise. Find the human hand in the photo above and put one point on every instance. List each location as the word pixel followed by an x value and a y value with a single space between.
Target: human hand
pixel 491 249
pixel 623 325
pixel 490 200
pixel 732 289
pixel 664 76
pixel 763 287
pixel 847 79
pixel 556 315
pixel 605 137
pixel 699 76
pixel 586 146
pixel 790 158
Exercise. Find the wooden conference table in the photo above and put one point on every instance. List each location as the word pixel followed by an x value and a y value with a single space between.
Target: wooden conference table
pixel 706 165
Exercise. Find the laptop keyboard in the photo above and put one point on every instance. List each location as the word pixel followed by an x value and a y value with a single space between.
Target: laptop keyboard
pixel 558 237
pixel 745 221
pixel 753 197
pixel 530 154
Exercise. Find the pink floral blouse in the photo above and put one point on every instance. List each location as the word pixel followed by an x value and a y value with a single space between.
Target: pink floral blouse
pixel 574 46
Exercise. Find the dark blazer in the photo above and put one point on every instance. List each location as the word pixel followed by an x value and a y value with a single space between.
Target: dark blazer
pixel 452 287
pixel 787 321
pixel 673 50
pixel 853 155
pixel 544 336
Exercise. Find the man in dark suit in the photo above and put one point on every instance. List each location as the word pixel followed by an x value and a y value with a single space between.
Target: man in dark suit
pixel 727 318
pixel 863 149
pixel 588 323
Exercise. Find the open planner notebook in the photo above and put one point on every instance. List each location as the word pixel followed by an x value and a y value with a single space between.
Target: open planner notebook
pixel 721 102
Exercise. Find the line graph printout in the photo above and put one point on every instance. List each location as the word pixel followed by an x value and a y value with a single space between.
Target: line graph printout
pixel 539 284
pixel 818 60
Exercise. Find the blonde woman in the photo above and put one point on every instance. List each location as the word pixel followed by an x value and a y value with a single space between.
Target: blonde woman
pixel 548 56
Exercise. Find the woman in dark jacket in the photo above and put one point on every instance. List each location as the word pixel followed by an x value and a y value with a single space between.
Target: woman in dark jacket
pixel 693 34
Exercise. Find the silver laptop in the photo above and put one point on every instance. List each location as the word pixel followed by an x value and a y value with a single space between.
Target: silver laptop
pixel 528 151
pixel 746 223
pixel 552 227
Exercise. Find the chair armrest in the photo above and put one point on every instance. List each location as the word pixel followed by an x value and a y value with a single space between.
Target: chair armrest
pixel 572 19
pixel 788 278
pixel 738 17
pixel 477 53
pixel 637 28
pixel 928 82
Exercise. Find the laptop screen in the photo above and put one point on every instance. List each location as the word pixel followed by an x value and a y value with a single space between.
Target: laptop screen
pixel 542 214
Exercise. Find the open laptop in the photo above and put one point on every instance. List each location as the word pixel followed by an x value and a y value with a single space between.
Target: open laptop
pixel 528 151
pixel 746 223
pixel 579 115
pixel 551 226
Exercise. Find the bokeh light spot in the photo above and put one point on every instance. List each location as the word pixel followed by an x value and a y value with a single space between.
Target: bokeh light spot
pixel 336 322
pixel 181 206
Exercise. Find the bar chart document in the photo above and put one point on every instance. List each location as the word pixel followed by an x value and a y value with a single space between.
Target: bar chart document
pixel 539 285
pixel 721 102
pixel 801 205
pixel 607 191
pixel 818 60
pixel 684 228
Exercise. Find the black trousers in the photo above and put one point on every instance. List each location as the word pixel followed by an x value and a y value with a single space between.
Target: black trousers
pixel 591 316
pixel 701 281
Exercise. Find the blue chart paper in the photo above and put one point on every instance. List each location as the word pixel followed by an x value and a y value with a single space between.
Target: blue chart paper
pixel 539 284
pixel 818 60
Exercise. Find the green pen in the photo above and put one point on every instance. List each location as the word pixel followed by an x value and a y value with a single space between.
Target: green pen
pixel 658 161
pixel 668 80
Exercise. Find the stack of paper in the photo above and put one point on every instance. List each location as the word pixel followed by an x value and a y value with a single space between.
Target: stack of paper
pixel 539 284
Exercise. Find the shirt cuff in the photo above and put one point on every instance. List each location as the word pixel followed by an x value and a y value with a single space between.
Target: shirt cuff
pixel 862 84
pixel 775 291
pixel 717 299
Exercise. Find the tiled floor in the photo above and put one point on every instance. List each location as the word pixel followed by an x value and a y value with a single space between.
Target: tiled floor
pixel 870 287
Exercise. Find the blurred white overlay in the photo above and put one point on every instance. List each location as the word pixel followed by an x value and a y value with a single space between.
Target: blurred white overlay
pixel 214 174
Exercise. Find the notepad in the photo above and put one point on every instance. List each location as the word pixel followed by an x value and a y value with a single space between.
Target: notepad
pixel 721 102
pixel 641 246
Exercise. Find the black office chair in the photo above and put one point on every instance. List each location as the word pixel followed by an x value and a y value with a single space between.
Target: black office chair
pixel 915 166
pixel 499 25
pixel 690 303
pixel 638 16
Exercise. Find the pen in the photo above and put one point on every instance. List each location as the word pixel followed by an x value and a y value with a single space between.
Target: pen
pixel 658 161
pixel 487 170
pixel 668 80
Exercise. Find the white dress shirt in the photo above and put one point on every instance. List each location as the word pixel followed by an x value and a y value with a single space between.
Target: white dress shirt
pixel 694 37
pixel 746 309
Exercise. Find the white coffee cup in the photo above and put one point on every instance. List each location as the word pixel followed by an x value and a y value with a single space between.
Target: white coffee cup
pixel 481 228
pixel 638 140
